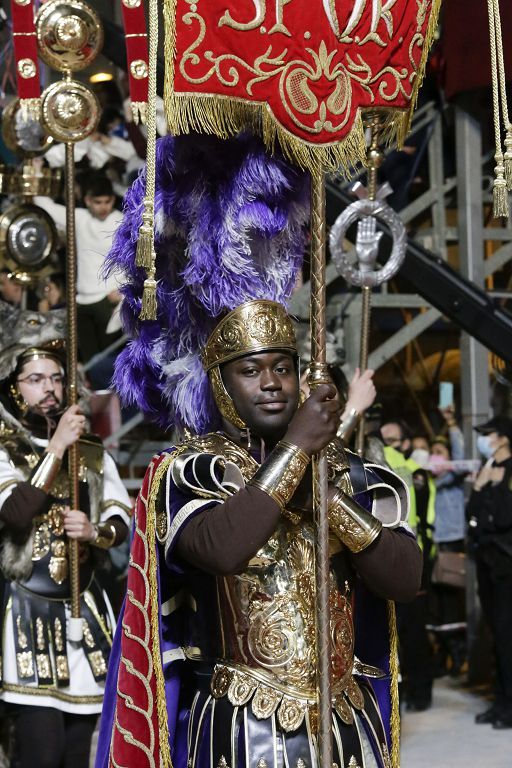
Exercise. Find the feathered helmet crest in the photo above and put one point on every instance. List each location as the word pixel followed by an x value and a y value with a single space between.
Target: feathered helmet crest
pixel 230 227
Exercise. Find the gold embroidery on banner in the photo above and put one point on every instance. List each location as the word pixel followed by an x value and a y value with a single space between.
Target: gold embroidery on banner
pixel 224 116
pixel 25 663
pixel 379 12
pixel 295 78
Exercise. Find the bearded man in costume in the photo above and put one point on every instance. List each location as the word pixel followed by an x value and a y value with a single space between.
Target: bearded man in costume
pixel 214 661
pixel 51 687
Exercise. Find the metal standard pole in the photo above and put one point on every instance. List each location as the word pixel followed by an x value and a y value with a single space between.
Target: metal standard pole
pixel 366 310
pixel 374 161
pixel 319 375
pixel 75 628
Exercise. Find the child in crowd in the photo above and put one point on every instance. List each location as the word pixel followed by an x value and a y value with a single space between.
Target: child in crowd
pixel 96 297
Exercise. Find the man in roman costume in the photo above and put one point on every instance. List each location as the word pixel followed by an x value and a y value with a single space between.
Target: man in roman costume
pixel 51 686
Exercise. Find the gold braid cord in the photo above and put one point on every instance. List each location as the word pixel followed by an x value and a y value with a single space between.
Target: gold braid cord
pixel 161 704
pixel 72 368
pixel 146 256
pixel 503 94
pixel 393 670
pixel 500 194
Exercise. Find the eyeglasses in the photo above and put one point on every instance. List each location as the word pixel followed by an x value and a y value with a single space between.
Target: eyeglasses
pixel 38 379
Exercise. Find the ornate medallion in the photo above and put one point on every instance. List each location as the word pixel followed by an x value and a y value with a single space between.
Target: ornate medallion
pixel 70 111
pixel 70 34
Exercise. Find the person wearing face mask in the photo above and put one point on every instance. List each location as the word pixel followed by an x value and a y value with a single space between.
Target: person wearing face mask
pixel 449 536
pixel 489 513
pixel 51 688
pixel 415 648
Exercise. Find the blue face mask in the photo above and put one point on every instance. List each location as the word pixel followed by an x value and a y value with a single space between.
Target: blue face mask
pixel 483 443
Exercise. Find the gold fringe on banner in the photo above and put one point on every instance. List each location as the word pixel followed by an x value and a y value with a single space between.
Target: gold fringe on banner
pixel 225 118
pixel 139 112
pixel 393 670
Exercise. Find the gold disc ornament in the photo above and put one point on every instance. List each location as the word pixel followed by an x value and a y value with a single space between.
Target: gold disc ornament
pixel 70 34
pixel 70 111
pixel 23 135
pixel 28 239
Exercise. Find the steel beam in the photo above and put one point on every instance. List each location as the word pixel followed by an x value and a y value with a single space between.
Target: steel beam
pixel 474 365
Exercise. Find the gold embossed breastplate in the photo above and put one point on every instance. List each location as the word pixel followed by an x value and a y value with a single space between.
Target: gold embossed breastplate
pixel 267 614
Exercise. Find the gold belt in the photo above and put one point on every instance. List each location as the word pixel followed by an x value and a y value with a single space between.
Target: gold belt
pixel 241 684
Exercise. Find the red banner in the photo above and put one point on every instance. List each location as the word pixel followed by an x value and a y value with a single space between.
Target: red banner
pixel 134 21
pixel 25 53
pixel 309 66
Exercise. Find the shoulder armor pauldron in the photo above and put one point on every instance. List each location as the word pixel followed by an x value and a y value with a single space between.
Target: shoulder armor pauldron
pixel 199 465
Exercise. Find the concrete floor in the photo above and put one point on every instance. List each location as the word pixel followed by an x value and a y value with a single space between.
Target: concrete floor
pixel 446 735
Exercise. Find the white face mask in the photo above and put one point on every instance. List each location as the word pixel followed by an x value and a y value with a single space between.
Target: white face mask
pixel 421 456
pixel 483 443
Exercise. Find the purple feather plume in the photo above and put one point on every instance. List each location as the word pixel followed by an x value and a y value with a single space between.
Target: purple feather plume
pixel 229 227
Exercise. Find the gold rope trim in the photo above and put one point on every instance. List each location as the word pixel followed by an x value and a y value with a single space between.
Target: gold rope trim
pixel 393 670
pixel 161 704
pixel 53 693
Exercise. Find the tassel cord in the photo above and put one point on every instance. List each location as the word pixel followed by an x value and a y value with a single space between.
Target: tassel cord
pixel 146 247
pixel 500 197
pixel 503 93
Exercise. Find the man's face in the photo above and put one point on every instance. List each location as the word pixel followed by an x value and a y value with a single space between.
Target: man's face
pixel 265 390
pixel 100 207
pixel 497 441
pixel 41 385
pixel 392 435
pixel 10 291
